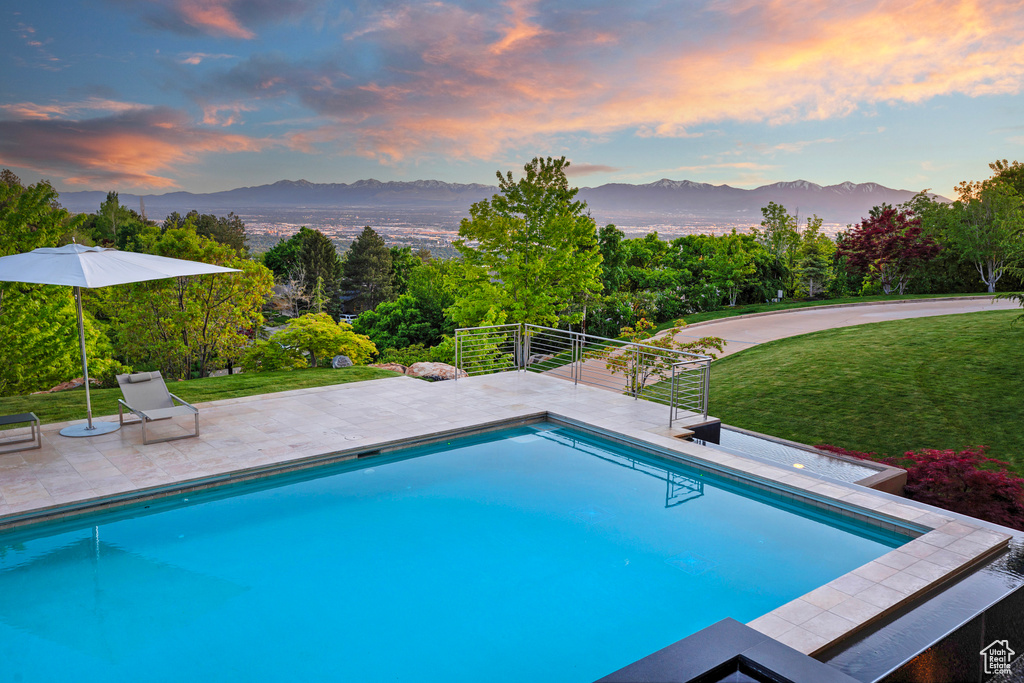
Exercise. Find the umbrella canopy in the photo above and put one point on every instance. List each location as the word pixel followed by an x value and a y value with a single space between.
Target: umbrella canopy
pixel 78 266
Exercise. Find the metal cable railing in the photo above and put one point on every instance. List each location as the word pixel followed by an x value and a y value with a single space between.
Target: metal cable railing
pixel 677 379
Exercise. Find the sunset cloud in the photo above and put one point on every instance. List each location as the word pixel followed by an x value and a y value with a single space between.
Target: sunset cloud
pixel 220 18
pixel 195 58
pixel 477 83
pixel 575 170
pixel 132 148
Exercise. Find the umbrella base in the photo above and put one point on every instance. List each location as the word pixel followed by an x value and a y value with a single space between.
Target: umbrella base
pixel 97 429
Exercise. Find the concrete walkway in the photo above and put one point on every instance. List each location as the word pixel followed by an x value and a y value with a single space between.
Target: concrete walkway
pixel 743 332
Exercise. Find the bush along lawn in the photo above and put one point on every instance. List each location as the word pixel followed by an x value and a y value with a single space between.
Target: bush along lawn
pixel 70 405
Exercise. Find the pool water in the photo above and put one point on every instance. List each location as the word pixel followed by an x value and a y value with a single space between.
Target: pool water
pixel 537 553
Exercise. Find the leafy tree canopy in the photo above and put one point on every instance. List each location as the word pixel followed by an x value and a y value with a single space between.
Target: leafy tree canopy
pixel 322 338
pixel 530 251
pixel 187 326
pixel 229 230
pixel 888 247
pixel 368 276
pixel 39 323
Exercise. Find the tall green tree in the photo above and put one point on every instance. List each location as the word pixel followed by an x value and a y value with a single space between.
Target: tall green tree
pixel 731 266
pixel 613 258
pixel 403 262
pixel 530 252
pixel 189 326
pixel 38 323
pixel 986 226
pixel 780 236
pixel 418 316
pixel 814 258
pixel 368 276
pixel 284 257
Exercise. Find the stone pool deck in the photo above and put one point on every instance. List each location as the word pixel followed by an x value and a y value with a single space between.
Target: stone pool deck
pixel 257 435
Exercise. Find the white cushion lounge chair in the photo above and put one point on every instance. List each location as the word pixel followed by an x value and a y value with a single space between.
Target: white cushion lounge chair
pixel 147 397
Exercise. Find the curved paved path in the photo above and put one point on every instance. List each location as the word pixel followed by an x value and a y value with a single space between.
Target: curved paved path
pixel 746 331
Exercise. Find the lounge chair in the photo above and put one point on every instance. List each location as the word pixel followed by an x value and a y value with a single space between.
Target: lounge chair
pixel 147 397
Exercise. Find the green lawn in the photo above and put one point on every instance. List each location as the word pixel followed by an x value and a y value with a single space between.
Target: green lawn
pixel 940 382
pixel 70 405
pixel 747 309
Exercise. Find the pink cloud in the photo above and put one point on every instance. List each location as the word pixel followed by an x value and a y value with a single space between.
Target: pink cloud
pixel 132 149
pixel 475 84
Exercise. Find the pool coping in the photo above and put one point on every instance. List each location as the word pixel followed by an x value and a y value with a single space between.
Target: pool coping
pixel 946 546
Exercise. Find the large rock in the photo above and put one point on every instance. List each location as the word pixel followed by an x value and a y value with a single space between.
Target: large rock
pixel 434 371
pixel 70 384
pixel 339 362
pixel 394 367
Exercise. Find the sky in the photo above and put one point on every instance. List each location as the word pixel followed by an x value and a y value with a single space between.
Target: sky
pixel 154 96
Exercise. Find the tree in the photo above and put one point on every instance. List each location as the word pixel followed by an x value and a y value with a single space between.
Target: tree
pixel 39 323
pixel 613 258
pixel 887 247
pixel 780 237
pixel 530 251
pixel 417 317
pixel 367 275
pixel 283 257
pixel 985 225
pixel 319 261
pixel 403 263
pixel 229 230
pixel 1009 172
pixel 814 264
pixel 731 266
pixel 185 326
pixel 643 369
pixel 321 337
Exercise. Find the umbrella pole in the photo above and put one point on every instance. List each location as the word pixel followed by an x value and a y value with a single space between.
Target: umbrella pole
pixel 88 429
pixel 85 362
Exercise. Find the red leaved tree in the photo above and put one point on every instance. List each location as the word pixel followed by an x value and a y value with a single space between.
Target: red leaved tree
pixel 888 246
pixel 967 481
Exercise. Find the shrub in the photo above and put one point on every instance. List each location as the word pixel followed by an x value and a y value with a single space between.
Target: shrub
pixel 418 353
pixel 321 337
pixel 968 482
pixel 268 356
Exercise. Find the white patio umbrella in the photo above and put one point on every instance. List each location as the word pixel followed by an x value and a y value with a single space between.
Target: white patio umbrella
pixel 75 265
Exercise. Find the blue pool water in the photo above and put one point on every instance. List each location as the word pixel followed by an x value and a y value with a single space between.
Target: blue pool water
pixel 530 554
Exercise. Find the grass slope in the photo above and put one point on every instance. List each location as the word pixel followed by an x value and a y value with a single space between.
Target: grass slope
pixel 70 405
pixel 939 382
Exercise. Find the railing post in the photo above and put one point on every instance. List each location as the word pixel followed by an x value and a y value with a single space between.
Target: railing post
pixel 458 365
pixel 576 348
pixel 672 397
pixel 707 386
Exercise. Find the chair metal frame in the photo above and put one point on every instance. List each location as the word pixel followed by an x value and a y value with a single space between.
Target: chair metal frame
pixel 157 414
pixel 35 437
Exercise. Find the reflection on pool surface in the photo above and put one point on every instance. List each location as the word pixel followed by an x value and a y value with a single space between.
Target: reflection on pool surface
pixel 534 553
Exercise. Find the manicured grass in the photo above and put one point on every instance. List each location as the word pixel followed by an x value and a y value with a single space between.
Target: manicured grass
pixel 939 382
pixel 747 309
pixel 70 405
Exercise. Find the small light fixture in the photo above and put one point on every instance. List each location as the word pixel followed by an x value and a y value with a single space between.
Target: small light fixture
pixel 798 466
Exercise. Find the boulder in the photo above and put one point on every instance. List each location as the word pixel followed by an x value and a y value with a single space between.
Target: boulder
pixel 339 362
pixel 434 371
pixel 70 384
pixel 394 367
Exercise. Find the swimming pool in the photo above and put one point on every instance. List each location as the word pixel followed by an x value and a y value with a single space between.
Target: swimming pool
pixel 536 553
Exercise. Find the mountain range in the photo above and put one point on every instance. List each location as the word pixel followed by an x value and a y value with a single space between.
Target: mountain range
pixel 837 204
